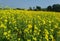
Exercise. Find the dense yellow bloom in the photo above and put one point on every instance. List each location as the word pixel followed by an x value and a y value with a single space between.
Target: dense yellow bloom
pixel 5 33
pixel 26 30
pixel 38 33
pixel 35 31
pixel 3 26
pixel 8 35
pixel 14 21
pixel 31 23
pixel 46 34
pixel 9 31
pixel 16 28
pixel 6 20
pixel 52 37
pixel 34 38
pixel 46 31
pixel 18 39
pixel 44 22
pixel 49 21
pixel 35 27
pixel 46 37
pixel 52 30
pixel 29 26
pixel 56 26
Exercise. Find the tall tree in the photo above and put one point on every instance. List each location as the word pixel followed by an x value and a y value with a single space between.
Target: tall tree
pixel 30 8
pixel 56 7
pixel 49 8
pixel 38 8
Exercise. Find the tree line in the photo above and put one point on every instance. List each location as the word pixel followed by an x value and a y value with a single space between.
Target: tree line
pixel 54 7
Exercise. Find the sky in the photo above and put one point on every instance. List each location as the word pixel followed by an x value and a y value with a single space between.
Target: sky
pixel 27 3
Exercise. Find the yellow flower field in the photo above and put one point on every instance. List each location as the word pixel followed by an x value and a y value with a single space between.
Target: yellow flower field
pixel 23 25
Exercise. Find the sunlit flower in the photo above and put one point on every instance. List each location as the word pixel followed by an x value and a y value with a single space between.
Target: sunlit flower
pixel 6 20
pixel 14 21
pixel 35 31
pixel 51 36
pixel 34 38
pixel 52 30
pixel 44 22
pixel 46 31
pixel 29 26
pixel 49 21
pixel 18 39
pixel 26 30
pixel 3 26
pixel 5 33
pixel 46 37
pixel 56 26
pixel 9 31
pixel 35 27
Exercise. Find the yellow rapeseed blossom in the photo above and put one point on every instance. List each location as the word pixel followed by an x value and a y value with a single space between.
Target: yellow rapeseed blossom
pixel 9 31
pixel 39 17
pixel 18 39
pixel 5 33
pixel 46 37
pixel 26 30
pixel 52 30
pixel 6 20
pixel 3 26
pixel 16 28
pixel 52 37
pixel 56 26
pixel 46 34
pixel 8 35
pixel 14 21
pixel 35 31
pixel 35 27
pixel 46 31
pixel 38 33
pixel 29 26
pixel 49 21
pixel 34 38
pixel 44 22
